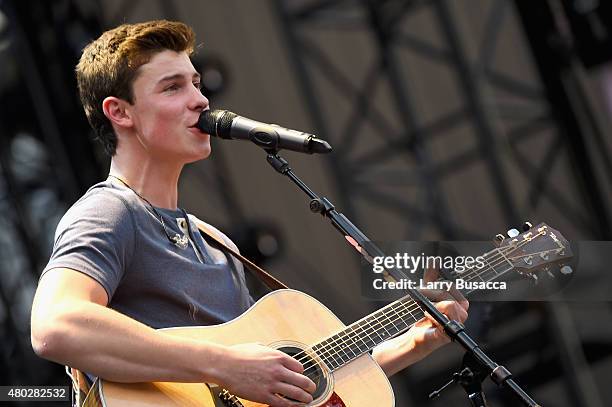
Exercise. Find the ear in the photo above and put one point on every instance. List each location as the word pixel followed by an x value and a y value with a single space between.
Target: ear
pixel 116 111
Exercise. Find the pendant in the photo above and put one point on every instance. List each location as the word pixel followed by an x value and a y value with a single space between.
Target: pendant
pixel 180 241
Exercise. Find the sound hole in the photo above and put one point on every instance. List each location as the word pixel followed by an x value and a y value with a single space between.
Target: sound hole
pixel 312 369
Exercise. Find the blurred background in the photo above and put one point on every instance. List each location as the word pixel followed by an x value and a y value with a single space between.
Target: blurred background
pixel 450 120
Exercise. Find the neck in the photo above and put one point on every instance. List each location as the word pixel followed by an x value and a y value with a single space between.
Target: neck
pixel 397 317
pixel 155 181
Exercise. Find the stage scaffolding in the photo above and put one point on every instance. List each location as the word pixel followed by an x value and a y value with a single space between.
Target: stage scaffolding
pixel 505 111
pixel 536 149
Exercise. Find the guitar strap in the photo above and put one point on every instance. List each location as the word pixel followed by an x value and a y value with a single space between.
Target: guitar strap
pixel 270 281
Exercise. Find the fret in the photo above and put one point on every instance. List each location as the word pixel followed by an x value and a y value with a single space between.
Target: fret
pixel 328 358
pixel 390 319
pixel 381 329
pixel 358 342
pixel 338 345
pixel 365 334
pixel 510 264
pixel 479 273
pixel 400 315
pixel 387 323
pixel 359 335
pixel 332 362
pixel 377 328
pixel 497 274
pixel 495 266
pixel 333 353
pixel 357 350
pixel 349 341
pixel 492 270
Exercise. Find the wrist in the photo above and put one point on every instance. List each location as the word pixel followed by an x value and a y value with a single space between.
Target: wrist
pixel 212 357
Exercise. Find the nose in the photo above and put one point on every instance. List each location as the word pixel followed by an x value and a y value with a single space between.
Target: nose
pixel 198 102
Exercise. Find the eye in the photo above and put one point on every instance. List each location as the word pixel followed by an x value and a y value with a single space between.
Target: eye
pixel 198 85
pixel 174 86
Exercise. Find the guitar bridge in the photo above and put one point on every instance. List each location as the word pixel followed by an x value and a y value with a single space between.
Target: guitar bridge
pixel 229 400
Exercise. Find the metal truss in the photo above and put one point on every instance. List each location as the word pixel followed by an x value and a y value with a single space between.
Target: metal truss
pixel 503 111
pixel 394 128
pixel 42 169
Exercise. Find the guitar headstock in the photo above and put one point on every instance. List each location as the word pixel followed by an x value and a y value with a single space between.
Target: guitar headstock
pixel 537 249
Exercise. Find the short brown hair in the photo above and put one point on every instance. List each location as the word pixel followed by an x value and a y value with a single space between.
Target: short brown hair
pixel 109 66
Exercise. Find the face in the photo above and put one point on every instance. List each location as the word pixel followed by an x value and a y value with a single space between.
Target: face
pixel 167 105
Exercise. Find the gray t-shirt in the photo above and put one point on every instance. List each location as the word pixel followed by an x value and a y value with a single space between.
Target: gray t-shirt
pixel 113 236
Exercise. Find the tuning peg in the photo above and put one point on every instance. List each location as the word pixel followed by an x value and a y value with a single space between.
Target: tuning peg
pixel 499 239
pixel 527 226
pixel 513 233
pixel 534 278
pixel 566 270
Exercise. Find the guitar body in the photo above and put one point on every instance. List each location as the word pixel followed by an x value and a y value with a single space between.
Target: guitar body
pixel 283 318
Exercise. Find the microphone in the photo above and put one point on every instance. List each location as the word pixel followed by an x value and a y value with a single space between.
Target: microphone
pixel 228 125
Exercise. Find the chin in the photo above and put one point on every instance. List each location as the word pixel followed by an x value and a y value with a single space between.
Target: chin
pixel 201 154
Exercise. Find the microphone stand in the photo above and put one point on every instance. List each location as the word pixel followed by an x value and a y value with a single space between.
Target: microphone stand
pixel 454 329
pixel 470 377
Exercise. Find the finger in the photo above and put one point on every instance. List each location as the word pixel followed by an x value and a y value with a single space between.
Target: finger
pixel 274 400
pixel 452 310
pixel 299 380
pixel 434 337
pixel 292 392
pixel 448 308
pixel 463 314
pixel 431 274
pixel 456 294
pixel 292 364
pixel 437 295
pixel 441 336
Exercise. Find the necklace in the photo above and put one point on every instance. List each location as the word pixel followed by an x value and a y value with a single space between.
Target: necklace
pixel 179 241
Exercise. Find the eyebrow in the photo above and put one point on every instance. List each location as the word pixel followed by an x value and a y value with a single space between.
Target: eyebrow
pixel 177 76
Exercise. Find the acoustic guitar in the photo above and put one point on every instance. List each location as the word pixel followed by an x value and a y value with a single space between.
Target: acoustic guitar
pixel 335 356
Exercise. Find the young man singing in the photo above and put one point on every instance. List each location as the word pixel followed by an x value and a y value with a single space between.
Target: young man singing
pixel 127 260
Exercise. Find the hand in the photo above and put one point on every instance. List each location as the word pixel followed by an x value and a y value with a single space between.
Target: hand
pixel 427 334
pixel 265 375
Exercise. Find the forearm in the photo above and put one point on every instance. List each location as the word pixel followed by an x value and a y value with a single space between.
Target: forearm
pixel 398 353
pixel 103 342
pixel 395 354
pixel 420 340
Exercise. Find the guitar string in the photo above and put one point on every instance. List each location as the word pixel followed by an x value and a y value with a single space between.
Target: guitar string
pixel 400 318
pixel 394 310
pixel 475 272
pixel 312 355
pixel 345 334
pixel 351 327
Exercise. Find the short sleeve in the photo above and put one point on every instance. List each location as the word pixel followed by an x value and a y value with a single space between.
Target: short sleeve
pixel 96 237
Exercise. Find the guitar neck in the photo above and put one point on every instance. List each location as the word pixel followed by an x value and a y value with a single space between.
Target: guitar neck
pixel 397 317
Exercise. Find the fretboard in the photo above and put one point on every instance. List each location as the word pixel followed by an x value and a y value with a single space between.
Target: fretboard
pixel 396 318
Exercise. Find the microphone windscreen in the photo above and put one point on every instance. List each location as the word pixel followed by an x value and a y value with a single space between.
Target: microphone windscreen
pixel 216 122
